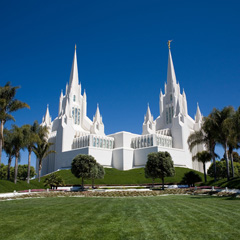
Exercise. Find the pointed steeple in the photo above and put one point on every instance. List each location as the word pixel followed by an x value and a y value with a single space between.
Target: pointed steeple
pixel 149 125
pixel 66 89
pixel 97 126
pixel 198 116
pixel 47 118
pixel 171 77
pixel 97 116
pixel 60 103
pixel 73 81
pixel 148 116
pixel 161 102
pixel 184 95
pixel 185 108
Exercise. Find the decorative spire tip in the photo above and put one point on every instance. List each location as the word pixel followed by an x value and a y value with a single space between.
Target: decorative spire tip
pixel 168 43
pixel 75 46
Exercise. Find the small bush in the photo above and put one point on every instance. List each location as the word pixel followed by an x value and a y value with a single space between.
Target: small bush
pixel 191 178
pixel 53 180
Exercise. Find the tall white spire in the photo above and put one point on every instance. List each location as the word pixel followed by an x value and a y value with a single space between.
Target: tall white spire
pixel 198 116
pixel 185 103
pixel 60 103
pixel 149 126
pixel 97 126
pixel 97 115
pixel 73 81
pixel 47 118
pixel 148 116
pixel 171 77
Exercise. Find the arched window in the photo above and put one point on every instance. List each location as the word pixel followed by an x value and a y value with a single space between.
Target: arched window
pixel 74 98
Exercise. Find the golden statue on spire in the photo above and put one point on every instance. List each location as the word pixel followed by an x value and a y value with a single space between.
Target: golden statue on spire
pixel 75 46
pixel 168 43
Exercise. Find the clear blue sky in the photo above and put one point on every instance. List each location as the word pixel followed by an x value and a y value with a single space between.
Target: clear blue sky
pixel 122 55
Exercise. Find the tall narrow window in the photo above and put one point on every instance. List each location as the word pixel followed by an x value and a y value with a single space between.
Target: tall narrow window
pixel 78 116
pixel 74 98
pixel 170 115
pixel 73 112
pixel 167 116
pixel 75 120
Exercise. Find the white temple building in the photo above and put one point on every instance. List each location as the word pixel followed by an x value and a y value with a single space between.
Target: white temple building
pixel 73 133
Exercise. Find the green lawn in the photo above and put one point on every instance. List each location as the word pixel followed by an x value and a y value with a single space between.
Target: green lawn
pixel 232 183
pixel 9 186
pixel 112 177
pixel 133 176
pixel 163 217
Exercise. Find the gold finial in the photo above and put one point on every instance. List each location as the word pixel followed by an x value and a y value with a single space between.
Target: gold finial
pixel 75 46
pixel 168 43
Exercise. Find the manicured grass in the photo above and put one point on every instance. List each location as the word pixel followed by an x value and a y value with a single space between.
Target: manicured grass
pixel 134 176
pixel 9 186
pixel 112 177
pixel 163 217
pixel 232 183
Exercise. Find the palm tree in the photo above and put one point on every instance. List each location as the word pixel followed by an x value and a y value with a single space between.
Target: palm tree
pixel 42 151
pixel 232 124
pixel 203 157
pixel 42 148
pixel 8 148
pixel 8 104
pixel 207 136
pixel 222 120
pixel 31 138
pixel 18 144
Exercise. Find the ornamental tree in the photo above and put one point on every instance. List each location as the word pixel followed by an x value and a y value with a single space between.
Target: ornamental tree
pixel 83 166
pixel 159 165
pixel 97 173
pixel 191 178
pixel 203 157
pixel 53 180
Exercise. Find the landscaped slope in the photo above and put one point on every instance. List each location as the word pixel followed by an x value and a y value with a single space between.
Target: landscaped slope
pixel 112 177
pixel 118 177
pixel 8 186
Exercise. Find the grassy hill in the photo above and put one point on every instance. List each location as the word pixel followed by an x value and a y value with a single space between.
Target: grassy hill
pixel 118 177
pixel 233 183
pixel 115 177
pixel 9 186
pixel 112 177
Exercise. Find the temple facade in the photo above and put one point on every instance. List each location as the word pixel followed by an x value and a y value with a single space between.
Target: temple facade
pixel 73 133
